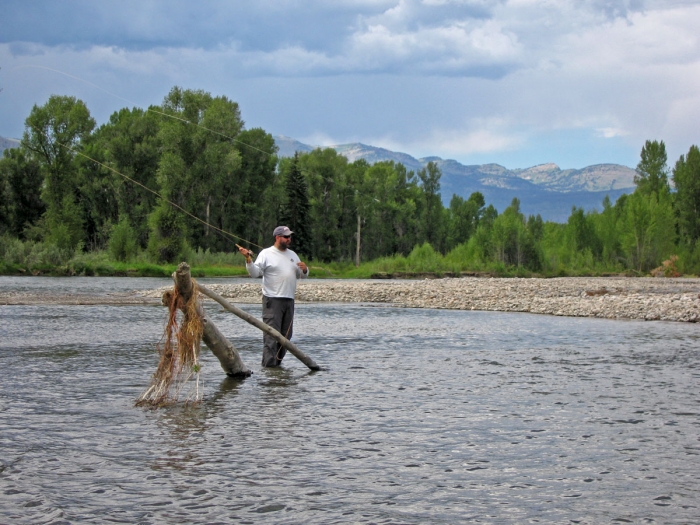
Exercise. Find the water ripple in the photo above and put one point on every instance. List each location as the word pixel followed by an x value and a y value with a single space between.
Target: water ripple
pixel 421 417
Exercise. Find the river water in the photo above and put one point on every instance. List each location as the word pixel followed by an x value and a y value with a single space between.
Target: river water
pixel 421 416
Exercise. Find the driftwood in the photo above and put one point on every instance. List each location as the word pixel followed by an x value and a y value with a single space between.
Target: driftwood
pixel 286 343
pixel 226 353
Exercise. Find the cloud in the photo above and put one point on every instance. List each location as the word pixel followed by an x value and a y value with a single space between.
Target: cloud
pixel 447 77
pixel 480 137
pixel 609 133
pixel 454 48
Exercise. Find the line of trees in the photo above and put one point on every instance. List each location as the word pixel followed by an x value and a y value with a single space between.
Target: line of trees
pixel 78 187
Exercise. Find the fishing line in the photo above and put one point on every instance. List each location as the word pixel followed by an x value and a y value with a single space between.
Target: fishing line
pixel 226 233
pixel 229 234
pixel 74 78
pixel 162 113
pixel 233 139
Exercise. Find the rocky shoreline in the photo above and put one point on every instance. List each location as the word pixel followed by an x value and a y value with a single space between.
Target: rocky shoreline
pixel 605 297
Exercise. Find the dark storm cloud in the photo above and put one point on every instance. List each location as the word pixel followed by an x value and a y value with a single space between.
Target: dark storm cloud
pixel 140 25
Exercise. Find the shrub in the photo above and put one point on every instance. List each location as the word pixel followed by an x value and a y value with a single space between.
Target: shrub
pixel 13 251
pixel 122 241
pixel 166 243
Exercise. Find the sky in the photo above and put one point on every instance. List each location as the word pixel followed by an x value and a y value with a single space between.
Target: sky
pixel 515 82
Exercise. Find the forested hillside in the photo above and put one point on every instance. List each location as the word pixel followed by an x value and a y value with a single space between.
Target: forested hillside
pixel 187 177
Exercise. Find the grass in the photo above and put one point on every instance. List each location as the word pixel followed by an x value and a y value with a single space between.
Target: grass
pixel 27 258
pixel 385 267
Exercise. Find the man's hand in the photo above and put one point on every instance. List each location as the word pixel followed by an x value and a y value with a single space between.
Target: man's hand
pixel 246 253
pixel 303 267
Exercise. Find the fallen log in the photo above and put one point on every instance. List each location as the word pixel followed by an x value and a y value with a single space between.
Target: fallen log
pixel 286 343
pixel 221 347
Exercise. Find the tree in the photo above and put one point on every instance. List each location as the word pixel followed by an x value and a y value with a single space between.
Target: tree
pixel 652 172
pixel 581 233
pixel 648 232
pixel 199 161
pixel 248 187
pixel 331 201
pixel 512 243
pixel 431 223
pixel 52 133
pixel 20 191
pixel 686 178
pixel 463 218
pixel 295 212
pixel 122 241
pixel 535 225
pixel 606 226
pixel 129 144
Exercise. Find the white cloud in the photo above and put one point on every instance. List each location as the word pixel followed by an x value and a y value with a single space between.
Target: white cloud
pixel 445 77
pixel 448 49
pixel 609 133
pixel 318 138
pixel 476 138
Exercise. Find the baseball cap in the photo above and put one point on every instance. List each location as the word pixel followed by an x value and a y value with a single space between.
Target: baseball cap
pixel 282 230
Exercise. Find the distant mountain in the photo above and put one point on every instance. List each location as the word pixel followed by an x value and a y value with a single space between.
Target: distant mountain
pixel 7 144
pixel 288 146
pixel 545 189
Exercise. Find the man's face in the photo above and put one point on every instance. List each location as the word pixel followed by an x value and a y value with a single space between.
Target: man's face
pixel 284 241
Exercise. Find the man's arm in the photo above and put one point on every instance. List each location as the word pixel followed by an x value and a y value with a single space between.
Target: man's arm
pixel 253 269
pixel 304 270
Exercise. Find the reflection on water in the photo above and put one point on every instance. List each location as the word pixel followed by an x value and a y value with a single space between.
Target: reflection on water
pixel 422 416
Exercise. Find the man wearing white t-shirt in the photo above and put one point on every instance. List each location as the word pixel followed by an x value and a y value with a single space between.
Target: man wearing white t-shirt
pixel 279 268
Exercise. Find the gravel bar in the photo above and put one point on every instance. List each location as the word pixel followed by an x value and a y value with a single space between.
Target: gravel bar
pixel 606 297
pixel 645 298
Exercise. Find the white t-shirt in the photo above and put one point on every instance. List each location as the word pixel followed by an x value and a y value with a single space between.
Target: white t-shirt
pixel 279 271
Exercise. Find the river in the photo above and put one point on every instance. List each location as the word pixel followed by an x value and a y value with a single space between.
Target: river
pixel 421 416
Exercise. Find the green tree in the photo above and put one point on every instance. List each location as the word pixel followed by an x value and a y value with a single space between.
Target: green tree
pixel 647 230
pixel 581 233
pixel 606 227
pixel 20 192
pixel 199 161
pixel 52 134
pixel 387 203
pixel 330 203
pixel 686 178
pixel 652 172
pixel 432 226
pixel 512 243
pixel 295 212
pixel 128 144
pixel 64 225
pixel 463 218
pixel 535 225
pixel 250 186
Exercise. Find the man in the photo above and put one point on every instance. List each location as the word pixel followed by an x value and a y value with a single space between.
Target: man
pixel 279 268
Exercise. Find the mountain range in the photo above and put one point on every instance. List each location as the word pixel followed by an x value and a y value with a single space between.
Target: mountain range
pixel 545 189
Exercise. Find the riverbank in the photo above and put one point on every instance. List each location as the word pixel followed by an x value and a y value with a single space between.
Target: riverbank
pixel 605 297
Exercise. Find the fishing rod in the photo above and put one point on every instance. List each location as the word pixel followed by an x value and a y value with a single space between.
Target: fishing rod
pixel 178 207
pixel 168 115
pixel 225 233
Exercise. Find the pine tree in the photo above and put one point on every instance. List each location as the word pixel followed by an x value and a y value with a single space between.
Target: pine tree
pixel 295 213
